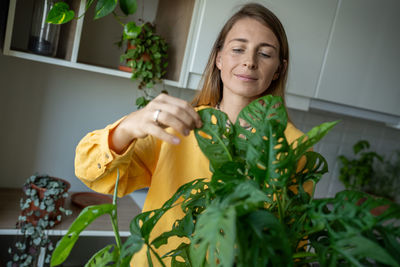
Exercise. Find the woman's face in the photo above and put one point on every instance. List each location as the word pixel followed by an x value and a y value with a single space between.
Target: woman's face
pixel 249 59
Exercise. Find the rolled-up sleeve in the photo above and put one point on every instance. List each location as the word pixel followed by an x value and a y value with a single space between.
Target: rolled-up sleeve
pixel 96 164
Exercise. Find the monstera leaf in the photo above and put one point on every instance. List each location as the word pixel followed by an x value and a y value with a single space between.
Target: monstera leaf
pixel 214 137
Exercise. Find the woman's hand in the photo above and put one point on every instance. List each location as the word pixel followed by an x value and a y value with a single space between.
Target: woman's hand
pixel 173 112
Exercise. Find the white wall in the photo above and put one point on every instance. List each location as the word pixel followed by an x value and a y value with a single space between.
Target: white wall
pixel 45 110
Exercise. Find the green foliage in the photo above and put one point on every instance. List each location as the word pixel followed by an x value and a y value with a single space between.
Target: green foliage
pixel 108 255
pixel 385 180
pixel 356 173
pixel 61 12
pixel 146 53
pixel 255 211
pixel 87 215
pixel 370 172
pixel 37 215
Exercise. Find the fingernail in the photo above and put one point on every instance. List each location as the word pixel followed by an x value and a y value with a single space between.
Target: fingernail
pixel 176 140
pixel 186 131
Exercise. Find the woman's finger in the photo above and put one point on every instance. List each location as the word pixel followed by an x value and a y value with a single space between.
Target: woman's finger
pixel 160 133
pixel 171 120
pixel 178 107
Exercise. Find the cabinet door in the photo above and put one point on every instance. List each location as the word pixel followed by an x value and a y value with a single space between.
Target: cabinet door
pixel 307 24
pixel 361 68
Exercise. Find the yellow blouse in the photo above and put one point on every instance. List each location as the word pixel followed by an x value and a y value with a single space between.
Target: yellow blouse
pixel 147 162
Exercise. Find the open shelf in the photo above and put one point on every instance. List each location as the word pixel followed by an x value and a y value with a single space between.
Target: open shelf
pixel 89 44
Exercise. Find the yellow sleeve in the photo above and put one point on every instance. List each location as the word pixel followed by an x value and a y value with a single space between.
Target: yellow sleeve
pixel 96 164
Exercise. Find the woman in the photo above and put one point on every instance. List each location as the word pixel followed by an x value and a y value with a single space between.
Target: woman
pixel 155 147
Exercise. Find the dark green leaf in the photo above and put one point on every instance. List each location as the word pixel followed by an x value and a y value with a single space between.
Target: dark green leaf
pixel 305 142
pixel 264 143
pixel 60 13
pixel 181 228
pixel 213 137
pixel 214 237
pixel 128 6
pixel 87 215
pixel 132 245
pixel 104 7
pixel 361 247
pixel 105 256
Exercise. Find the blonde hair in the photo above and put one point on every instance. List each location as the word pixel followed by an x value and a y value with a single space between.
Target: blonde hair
pixel 211 91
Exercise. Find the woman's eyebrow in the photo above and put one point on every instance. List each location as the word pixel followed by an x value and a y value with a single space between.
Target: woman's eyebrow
pixel 243 40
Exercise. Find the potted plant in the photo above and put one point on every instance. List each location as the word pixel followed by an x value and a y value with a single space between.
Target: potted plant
pixel 254 211
pixel 145 55
pixel 370 172
pixel 146 52
pixel 41 209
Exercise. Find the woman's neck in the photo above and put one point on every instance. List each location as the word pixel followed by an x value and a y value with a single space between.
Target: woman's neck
pixel 232 106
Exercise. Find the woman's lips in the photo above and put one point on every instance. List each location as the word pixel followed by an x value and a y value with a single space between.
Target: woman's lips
pixel 246 78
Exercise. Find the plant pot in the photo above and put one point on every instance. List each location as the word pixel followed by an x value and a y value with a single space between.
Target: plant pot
pixel 39 213
pixel 145 57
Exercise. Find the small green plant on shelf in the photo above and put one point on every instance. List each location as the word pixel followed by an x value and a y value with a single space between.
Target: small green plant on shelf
pixel 255 211
pixel 41 209
pixel 146 52
pixel 370 172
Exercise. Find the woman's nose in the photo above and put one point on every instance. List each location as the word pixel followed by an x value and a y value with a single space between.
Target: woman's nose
pixel 250 62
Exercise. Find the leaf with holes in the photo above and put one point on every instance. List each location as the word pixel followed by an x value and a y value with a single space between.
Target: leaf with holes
pixel 305 142
pixel 267 150
pixel 105 257
pixel 179 254
pixel 131 246
pixel 214 236
pixel 214 137
pixel 181 228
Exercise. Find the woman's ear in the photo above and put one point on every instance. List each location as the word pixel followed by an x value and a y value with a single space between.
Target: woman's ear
pixel 281 69
pixel 218 62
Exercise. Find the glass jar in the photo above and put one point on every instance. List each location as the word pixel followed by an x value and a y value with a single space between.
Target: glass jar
pixel 43 37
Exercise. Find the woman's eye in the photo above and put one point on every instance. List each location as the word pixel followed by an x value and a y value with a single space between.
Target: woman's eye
pixel 263 54
pixel 237 50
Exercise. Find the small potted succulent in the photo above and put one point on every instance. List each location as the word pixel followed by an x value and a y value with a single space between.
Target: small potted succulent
pixel 41 209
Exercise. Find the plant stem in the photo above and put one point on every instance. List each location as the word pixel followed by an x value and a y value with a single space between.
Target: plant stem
pixel 117 18
pixel 114 214
pixel 278 200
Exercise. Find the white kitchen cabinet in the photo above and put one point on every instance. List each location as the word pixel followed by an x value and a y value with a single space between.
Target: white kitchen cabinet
pixel 307 24
pixel 361 68
pixel 90 45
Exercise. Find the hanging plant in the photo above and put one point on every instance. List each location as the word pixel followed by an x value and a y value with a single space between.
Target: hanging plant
pixel 41 209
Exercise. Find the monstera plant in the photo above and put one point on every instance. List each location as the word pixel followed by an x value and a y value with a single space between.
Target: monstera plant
pixel 255 211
